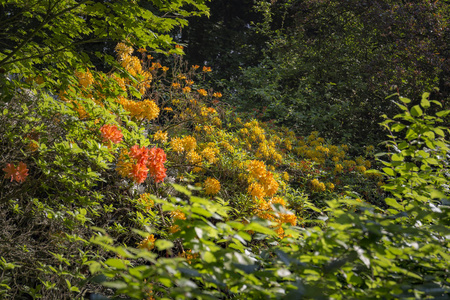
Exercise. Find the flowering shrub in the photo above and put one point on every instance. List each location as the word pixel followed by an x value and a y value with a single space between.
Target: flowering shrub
pixel 115 142
pixel 18 173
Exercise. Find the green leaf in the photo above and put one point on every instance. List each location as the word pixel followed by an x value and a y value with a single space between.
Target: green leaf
pixel 389 171
pixel 257 227
pixel 393 203
pixel 404 100
pixel 116 263
pixel 425 103
pixel 181 189
pixel 163 244
pixel 439 132
pixel 94 266
pixel 115 284
pixel 443 113
pixel 208 257
pixel 416 111
pixel 397 157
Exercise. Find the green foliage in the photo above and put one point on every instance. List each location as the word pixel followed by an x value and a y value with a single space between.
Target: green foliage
pixel 54 36
pixel 364 252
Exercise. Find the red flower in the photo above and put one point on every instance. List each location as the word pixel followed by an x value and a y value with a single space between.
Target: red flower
pixel 18 174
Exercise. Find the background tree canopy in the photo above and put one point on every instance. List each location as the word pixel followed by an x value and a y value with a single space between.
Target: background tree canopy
pixel 327 65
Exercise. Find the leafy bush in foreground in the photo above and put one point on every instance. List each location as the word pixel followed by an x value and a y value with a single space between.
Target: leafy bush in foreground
pixel 400 252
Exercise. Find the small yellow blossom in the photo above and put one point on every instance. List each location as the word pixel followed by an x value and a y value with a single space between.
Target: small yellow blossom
pixel 160 136
pixel 148 243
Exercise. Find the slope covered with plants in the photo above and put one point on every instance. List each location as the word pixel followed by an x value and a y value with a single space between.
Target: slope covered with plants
pixel 142 182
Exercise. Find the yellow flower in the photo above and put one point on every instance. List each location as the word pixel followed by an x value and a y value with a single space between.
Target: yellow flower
pixel 212 186
pixel 210 154
pixel 177 145
pixel 140 109
pixel 146 200
pixel 148 243
pixel 285 176
pixel 317 186
pixel 124 165
pixel 256 190
pixel 160 136
pixel 189 143
pixel 193 157
pixel 277 200
pixel 338 168
pixel 360 169
pixel 123 49
pixel 208 129
pixel 227 147
pixel 330 186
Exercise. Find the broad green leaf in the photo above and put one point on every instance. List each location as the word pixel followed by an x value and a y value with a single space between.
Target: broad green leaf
pixel 163 244
pixel 208 257
pixel 181 189
pixel 416 111
pixel 116 263
pixel 393 203
pixel 404 100
pixel 257 227
pixel 389 171
pixel 425 103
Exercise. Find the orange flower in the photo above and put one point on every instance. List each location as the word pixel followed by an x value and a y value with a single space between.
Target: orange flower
pixel 18 174
pixel 202 92
pixel 157 158
pixel 206 69
pixel 217 95
pixel 195 67
pixel 139 172
pixel 111 133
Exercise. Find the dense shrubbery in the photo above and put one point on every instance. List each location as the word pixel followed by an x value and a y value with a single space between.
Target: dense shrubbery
pixel 141 182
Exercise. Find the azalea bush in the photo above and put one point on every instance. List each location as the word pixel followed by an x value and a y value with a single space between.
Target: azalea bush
pixel 362 252
pixel 93 151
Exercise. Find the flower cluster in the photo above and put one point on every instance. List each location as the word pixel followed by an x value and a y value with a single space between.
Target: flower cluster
pixel 262 182
pixel 160 136
pixel 85 79
pixel 212 186
pixel 210 154
pixel 110 133
pixel 176 215
pixel 146 109
pixel 18 173
pixel 317 186
pixel 187 143
pixel 148 243
pixel 155 164
pixel 136 163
